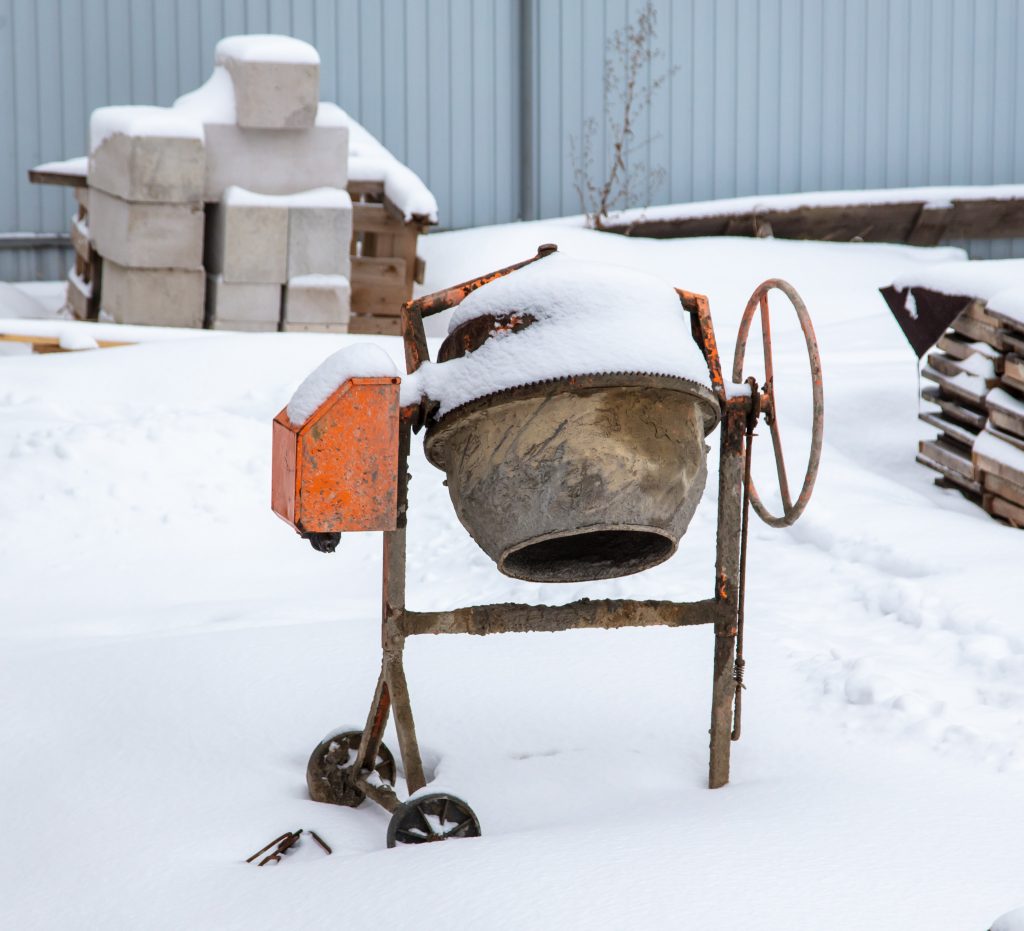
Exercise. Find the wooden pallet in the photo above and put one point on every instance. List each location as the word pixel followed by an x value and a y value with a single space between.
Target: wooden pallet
pixel 384 261
pixel 385 265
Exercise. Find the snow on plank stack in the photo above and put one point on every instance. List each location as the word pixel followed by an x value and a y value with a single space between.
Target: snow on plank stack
pixel 977 371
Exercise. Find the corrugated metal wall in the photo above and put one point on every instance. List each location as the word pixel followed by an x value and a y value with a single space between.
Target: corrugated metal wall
pixel 481 97
pixel 437 80
pixel 777 96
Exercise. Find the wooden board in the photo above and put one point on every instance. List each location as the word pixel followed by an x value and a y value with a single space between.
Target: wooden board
pixel 1007 510
pixel 365 188
pixel 953 430
pixel 1013 367
pixel 1011 323
pixel 44 344
pixel 80 240
pixel 1006 422
pixel 375 218
pixel 977 310
pixel 909 221
pixel 375 326
pixel 1001 470
pixel 55 177
pixel 954 411
pixel 949 455
pixel 959 348
pixel 1005 418
pixel 949 366
pixel 379 285
pixel 954 391
pixel 972 329
pixel 1003 488
pixel 958 479
pixel 378 270
pixel 1013 343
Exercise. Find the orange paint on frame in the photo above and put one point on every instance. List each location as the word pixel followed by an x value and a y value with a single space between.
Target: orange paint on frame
pixel 338 472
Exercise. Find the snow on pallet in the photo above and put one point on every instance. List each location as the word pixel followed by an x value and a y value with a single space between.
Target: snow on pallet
pixel 978 373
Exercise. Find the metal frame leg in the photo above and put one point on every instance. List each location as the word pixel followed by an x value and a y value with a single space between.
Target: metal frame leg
pixel 727 587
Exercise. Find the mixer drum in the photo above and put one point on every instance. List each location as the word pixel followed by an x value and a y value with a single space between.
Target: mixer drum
pixel 578 479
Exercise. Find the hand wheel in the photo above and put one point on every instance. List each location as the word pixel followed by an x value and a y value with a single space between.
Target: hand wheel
pixel 791 510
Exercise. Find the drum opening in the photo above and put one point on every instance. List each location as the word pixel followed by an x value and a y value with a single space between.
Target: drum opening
pixel 587 555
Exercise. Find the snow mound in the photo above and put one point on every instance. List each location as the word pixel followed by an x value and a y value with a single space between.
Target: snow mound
pixel 982 280
pixel 212 102
pixel 364 360
pixel 322 197
pixel 590 319
pixel 368 160
pixel 142 121
pixel 79 165
pixel 265 48
pixel 73 340
pixel 1011 921
pixel 1009 302
pixel 934 197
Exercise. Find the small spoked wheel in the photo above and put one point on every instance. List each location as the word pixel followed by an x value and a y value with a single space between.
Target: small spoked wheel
pixel 431 818
pixel 330 769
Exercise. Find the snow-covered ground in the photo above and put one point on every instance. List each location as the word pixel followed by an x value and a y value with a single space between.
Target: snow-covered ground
pixel 172 652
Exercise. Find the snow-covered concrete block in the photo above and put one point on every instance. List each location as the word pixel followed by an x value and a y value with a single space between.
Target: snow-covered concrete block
pixel 318 299
pixel 274 161
pixel 146 235
pixel 147 154
pixel 242 302
pixel 320 233
pixel 154 296
pixel 276 80
pixel 247 238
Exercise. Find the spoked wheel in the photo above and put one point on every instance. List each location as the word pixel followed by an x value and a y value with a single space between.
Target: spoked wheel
pixel 329 771
pixel 432 818
pixel 791 510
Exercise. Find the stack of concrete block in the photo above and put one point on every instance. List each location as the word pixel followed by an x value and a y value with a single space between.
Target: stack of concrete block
pixel 173 214
pixel 146 175
pixel 318 295
pixel 279 261
pixel 264 127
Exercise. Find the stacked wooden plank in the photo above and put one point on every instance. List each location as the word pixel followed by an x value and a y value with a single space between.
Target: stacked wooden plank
pixel 999 451
pixel 976 371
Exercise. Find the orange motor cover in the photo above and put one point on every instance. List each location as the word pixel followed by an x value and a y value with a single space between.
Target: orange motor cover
pixel 339 470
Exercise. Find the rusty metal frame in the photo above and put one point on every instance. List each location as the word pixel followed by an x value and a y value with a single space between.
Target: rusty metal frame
pixel 721 610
